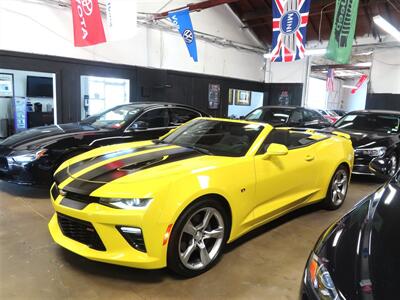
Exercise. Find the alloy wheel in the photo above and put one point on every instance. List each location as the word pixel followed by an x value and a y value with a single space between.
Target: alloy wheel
pixel 339 187
pixel 201 238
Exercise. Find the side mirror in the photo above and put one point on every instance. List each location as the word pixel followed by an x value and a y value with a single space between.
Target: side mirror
pixel 379 167
pixel 276 150
pixel 139 125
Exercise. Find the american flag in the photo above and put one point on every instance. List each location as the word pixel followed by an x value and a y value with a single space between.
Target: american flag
pixel 329 80
pixel 289 25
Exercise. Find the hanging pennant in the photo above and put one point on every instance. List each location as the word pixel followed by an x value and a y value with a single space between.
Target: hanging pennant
pixel 181 19
pixel 121 19
pixel 290 19
pixel 88 26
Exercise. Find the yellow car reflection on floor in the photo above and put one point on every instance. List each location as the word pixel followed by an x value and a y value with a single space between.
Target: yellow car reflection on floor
pixel 178 200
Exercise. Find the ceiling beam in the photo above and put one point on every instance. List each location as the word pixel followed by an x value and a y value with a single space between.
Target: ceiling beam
pixel 195 7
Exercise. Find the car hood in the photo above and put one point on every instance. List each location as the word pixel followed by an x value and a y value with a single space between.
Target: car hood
pixel 362 249
pixel 119 169
pixel 36 137
pixel 363 139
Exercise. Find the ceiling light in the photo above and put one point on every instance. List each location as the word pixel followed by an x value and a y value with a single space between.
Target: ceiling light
pixel 386 26
pixel 364 64
pixel 349 87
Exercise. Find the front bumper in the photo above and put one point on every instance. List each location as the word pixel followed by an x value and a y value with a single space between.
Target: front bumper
pixel 105 221
pixel 361 165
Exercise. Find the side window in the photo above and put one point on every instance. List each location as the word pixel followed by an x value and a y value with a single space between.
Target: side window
pixel 310 116
pixel 296 117
pixel 179 116
pixel 255 115
pixel 291 139
pixel 156 118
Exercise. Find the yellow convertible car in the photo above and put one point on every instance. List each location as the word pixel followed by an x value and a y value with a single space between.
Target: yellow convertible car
pixel 178 200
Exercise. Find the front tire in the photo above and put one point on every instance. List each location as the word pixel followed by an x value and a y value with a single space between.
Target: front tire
pixel 198 238
pixel 337 190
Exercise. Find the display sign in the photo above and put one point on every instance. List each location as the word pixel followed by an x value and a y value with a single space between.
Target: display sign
pixel 342 36
pixel 20 114
pixel 289 28
pixel 214 92
pixel 88 26
pixel 242 98
pixel 6 85
pixel 181 19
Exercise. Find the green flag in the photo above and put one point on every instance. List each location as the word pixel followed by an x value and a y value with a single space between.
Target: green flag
pixel 344 25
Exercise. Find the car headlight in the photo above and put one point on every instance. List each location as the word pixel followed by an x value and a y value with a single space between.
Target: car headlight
pixel 129 203
pixel 29 156
pixel 320 279
pixel 374 152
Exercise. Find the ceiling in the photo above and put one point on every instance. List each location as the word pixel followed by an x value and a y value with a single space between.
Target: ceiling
pixel 257 15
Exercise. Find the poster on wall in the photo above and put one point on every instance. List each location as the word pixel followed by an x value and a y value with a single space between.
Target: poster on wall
pixel 284 98
pixel 20 114
pixel 243 98
pixel 6 85
pixel 214 92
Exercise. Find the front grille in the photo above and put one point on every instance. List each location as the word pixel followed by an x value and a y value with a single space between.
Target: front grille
pixel 81 198
pixel 3 164
pixel 54 192
pixel 80 231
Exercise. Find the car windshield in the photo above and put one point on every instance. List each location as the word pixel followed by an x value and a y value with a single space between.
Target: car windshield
pixel 270 115
pixel 370 122
pixel 212 137
pixel 114 118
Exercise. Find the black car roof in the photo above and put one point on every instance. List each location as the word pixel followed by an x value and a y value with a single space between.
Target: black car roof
pixel 376 111
pixel 278 106
pixel 150 105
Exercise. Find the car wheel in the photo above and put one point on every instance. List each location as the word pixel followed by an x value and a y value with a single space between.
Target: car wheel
pixel 337 190
pixel 198 238
pixel 393 164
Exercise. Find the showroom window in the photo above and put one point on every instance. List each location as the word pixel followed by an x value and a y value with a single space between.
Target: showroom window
pixel 102 93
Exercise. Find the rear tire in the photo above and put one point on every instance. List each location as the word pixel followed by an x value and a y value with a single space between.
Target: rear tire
pixel 337 190
pixel 198 238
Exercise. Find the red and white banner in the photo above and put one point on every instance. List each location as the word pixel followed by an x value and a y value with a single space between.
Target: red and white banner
pixel 88 26
pixel 360 82
pixel 121 19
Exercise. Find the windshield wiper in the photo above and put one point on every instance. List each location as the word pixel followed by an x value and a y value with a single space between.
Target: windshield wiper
pixel 201 150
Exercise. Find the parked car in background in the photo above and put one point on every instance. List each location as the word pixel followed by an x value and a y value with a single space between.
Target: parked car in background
pixel 173 202
pixel 374 133
pixel 339 112
pixel 357 257
pixel 331 116
pixel 290 116
pixel 32 156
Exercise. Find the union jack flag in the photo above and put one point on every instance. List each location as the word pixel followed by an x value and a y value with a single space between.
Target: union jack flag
pixel 289 25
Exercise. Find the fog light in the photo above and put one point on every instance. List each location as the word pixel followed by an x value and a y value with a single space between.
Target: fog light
pixel 133 236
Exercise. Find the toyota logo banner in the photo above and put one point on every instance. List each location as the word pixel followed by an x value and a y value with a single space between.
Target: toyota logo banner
pixel 88 26
pixel 181 19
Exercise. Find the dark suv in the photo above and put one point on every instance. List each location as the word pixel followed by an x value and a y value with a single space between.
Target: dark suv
pixel 32 156
pixel 290 116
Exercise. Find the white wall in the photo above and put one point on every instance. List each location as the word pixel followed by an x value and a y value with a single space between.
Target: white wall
pixel 354 101
pixel 317 94
pixel 292 72
pixel 36 28
pixel 385 71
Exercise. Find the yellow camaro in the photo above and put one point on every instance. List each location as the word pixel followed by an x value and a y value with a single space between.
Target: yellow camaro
pixel 178 200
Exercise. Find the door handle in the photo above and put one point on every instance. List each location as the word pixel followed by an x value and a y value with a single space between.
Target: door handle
pixel 309 157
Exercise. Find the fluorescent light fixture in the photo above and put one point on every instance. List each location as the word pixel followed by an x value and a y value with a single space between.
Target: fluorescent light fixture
pixel 308 52
pixel 349 87
pixel 386 26
pixel 365 64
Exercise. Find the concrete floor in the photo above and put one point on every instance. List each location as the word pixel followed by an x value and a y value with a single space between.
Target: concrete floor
pixel 267 263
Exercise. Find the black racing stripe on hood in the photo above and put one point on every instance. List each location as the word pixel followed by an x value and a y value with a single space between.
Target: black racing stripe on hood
pixel 83 164
pixel 91 181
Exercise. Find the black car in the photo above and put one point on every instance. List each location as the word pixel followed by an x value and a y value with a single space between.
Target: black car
pixel 374 134
pixel 32 156
pixel 290 116
pixel 358 257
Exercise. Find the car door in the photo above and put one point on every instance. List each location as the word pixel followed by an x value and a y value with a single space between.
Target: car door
pixel 150 125
pixel 283 182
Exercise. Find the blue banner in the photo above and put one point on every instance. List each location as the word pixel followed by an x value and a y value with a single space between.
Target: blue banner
pixel 181 19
